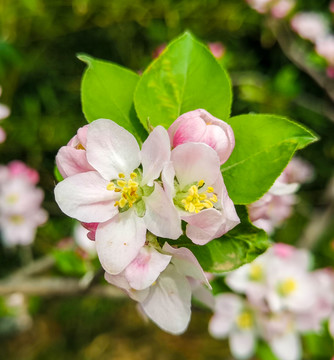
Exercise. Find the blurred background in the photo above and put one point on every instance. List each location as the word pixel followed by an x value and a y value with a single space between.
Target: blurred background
pixel 273 70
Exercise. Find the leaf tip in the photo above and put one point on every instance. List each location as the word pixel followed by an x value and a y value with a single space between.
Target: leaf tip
pixel 84 58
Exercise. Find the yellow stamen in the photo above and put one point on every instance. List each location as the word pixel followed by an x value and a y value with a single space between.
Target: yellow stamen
pixel 256 272
pixel 111 186
pixel 17 219
pixel 121 175
pixel 80 147
pixel 245 320
pixel 133 175
pixel 12 198
pixel 127 188
pixel 195 201
pixel 287 286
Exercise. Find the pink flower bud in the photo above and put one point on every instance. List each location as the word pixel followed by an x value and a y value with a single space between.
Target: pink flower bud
pixel 200 126
pixel 20 169
pixel 217 49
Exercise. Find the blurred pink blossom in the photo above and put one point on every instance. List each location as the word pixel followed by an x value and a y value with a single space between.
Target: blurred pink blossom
pixel 277 8
pixel 3 135
pixel 19 169
pixel 217 49
pixel 325 48
pixel 310 26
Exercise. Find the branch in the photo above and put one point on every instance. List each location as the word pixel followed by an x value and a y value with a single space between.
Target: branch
pixel 294 53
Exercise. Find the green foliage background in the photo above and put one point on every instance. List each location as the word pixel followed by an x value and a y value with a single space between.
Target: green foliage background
pixel 40 76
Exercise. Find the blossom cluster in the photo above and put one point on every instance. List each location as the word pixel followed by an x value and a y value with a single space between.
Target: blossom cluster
pixel 316 28
pixel 276 205
pixel 133 202
pixel 20 204
pixel 280 299
pixel 277 8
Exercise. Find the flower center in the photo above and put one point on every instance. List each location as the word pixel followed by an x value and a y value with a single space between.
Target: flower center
pixel 17 219
pixel 195 200
pixel 245 320
pixel 12 199
pixel 256 272
pixel 287 286
pixel 127 188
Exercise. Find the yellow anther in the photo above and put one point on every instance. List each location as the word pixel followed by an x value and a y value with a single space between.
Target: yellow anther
pixel 195 201
pixel 80 147
pixel 122 202
pixel 111 186
pixel 117 190
pixel 121 175
pixel 245 320
pixel 287 286
pixel 256 272
pixel 133 175
pixel 214 198
pixel 210 189
pixel 121 183
pixel 116 203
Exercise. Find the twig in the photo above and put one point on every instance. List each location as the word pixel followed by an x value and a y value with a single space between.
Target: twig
pixel 295 54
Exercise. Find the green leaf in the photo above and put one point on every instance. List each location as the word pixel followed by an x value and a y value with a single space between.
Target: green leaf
pixel 264 144
pixel 239 246
pixel 185 77
pixel 69 263
pixel 107 92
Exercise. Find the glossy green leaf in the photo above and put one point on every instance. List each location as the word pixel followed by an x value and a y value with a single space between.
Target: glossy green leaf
pixel 107 92
pixel 185 77
pixel 239 246
pixel 264 144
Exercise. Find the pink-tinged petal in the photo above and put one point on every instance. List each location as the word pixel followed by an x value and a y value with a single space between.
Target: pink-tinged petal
pixel 146 267
pixel 167 176
pixel 188 130
pixel 186 263
pixel 111 149
pixel 161 217
pixel 71 161
pixel 193 162
pixel 119 240
pixel 287 347
pixel 203 226
pixel 85 197
pixel 169 302
pixel 331 324
pixel 154 154
pixel 242 344
pixel 4 111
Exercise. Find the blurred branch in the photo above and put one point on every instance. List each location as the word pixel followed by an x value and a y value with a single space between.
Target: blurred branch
pixel 320 220
pixel 295 54
pixel 24 281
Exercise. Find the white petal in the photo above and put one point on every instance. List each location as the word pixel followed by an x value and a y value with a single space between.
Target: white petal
pixel 167 176
pixel 202 227
pixel 331 324
pixel 154 154
pixel 242 344
pixel 186 263
pixel 119 241
pixel 85 197
pixel 195 161
pixel 4 111
pixel 287 347
pixel 111 149
pixel 169 302
pixel 161 217
pixel 146 267
pixel 219 326
pixel 71 161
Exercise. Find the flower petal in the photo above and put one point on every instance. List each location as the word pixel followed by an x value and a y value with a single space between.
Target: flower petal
pixel 111 149
pixel 154 154
pixel 202 227
pixel 119 241
pixel 186 263
pixel 85 197
pixel 287 347
pixel 242 344
pixel 71 161
pixel 195 161
pixel 161 217
pixel 146 267
pixel 167 176
pixel 169 302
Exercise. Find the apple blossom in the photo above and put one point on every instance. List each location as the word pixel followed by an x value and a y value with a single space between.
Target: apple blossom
pixel 325 48
pixel 20 201
pixel 194 181
pixel 234 319
pixel 310 26
pixel 278 8
pixel 200 126
pixel 158 279
pixel 121 193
